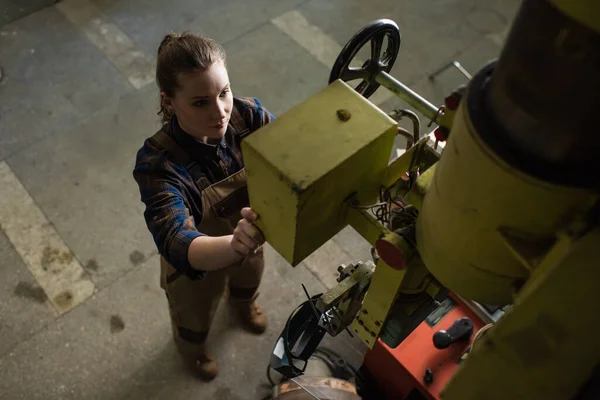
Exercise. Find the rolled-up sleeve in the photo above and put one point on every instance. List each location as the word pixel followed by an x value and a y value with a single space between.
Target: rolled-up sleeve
pixel 167 216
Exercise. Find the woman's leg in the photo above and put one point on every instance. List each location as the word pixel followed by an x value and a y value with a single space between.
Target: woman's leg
pixel 192 306
pixel 244 281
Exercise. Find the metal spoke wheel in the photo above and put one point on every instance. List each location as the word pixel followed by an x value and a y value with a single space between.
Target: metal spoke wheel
pixel 380 60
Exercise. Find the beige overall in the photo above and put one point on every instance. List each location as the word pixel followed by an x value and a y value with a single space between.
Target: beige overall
pixel 192 303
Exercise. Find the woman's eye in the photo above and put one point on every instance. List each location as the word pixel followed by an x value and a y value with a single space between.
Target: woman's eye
pixel 224 92
pixel 200 103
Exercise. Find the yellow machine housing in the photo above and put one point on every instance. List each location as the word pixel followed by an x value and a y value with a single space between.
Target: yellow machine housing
pixel 497 211
pixel 302 167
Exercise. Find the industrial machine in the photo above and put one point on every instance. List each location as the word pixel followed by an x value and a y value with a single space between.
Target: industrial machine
pixel 486 250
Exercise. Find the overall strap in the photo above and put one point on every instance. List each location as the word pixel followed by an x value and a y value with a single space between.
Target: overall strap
pixel 166 142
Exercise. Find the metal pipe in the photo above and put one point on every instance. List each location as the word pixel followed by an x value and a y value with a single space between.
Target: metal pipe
pixel 407 135
pixel 416 123
pixel 410 139
pixel 455 64
pixel 462 70
pixel 408 95
pixel 481 313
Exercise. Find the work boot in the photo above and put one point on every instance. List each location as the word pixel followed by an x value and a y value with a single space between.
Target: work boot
pixel 196 358
pixel 251 314
pixel 206 366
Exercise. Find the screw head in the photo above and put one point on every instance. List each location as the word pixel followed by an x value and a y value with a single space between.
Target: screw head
pixel 428 378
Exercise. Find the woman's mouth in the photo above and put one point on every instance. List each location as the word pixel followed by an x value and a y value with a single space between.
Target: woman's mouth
pixel 219 126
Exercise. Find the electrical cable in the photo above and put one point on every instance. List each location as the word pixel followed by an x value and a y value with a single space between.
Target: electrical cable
pixel 480 333
pixel 273 384
pixel 476 338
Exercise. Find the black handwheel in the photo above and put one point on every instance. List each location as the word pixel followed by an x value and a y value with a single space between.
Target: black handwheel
pixel 375 33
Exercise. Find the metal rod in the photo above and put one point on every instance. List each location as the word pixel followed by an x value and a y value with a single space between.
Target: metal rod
pixel 462 70
pixel 455 64
pixel 477 310
pixel 305 389
pixel 408 95
pixel 310 302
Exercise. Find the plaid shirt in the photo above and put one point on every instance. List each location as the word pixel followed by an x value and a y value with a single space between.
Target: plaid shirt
pixel 173 202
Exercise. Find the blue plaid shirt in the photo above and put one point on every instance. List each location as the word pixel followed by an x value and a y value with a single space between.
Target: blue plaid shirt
pixel 173 202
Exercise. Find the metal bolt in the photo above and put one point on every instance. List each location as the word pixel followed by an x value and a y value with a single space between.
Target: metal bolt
pixel 360 321
pixel 364 312
pixel 428 378
pixel 372 334
pixel 377 323
pixel 343 115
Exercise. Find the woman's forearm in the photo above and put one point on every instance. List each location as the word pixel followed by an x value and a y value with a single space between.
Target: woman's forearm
pixel 208 253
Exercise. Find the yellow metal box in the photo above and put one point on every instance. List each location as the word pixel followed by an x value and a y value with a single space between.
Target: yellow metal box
pixel 303 166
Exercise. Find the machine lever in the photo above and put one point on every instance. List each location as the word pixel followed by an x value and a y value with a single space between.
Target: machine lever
pixel 461 329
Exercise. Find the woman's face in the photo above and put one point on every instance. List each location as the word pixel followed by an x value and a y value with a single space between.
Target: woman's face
pixel 203 102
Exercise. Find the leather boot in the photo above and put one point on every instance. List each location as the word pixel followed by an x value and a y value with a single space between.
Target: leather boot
pixel 251 314
pixel 196 357
pixel 206 366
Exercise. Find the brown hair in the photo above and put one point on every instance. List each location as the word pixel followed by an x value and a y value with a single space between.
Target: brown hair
pixel 179 53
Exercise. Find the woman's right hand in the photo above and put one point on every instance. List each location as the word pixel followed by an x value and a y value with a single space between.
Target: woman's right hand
pixel 246 236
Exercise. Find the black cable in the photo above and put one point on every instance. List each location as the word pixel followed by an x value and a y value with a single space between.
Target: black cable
pixel 388 197
pixel 273 384
pixel 332 354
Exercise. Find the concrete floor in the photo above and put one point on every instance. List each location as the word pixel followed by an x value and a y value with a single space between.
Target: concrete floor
pixel 81 312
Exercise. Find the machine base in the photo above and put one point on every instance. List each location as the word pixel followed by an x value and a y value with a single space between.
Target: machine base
pixel 416 369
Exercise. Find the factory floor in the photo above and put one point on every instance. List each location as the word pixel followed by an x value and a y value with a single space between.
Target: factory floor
pixel 82 315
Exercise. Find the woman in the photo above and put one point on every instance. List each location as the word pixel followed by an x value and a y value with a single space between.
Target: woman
pixel 192 182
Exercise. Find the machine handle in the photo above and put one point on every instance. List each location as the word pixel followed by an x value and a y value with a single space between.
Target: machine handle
pixel 461 329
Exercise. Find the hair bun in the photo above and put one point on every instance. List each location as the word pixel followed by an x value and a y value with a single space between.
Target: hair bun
pixel 169 38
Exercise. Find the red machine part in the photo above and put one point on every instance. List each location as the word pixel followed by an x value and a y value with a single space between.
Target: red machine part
pixel 402 370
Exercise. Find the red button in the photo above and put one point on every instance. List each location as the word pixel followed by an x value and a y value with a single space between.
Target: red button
pixel 392 255
pixel 440 134
pixel 452 102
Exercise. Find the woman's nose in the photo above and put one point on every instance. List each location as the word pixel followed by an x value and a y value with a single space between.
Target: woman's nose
pixel 220 112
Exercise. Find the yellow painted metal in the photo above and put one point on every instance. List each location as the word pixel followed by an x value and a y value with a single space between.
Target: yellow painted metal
pixel 340 292
pixel 399 166
pixel 303 167
pixel 526 248
pixel 473 198
pixel 346 297
pixel 378 302
pixel 546 346
pixel 417 192
pixel 447 119
pixel 586 12
pixel 417 280
pixel 365 224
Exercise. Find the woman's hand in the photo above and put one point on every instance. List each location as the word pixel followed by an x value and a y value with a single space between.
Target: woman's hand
pixel 246 236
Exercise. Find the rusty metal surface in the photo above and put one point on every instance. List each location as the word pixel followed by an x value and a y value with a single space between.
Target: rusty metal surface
pixel 324 388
